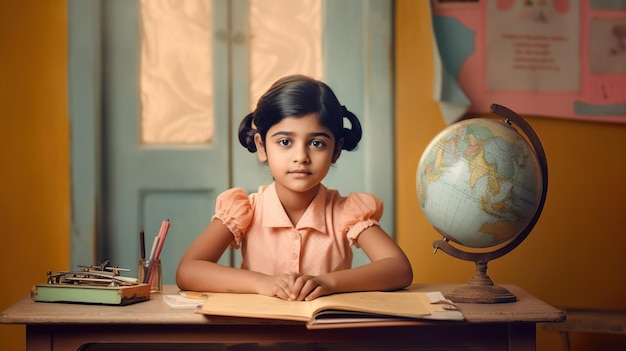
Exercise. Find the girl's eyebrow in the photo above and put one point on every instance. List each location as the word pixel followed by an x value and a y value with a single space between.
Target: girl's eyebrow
pixel 315 134
pixel 320 134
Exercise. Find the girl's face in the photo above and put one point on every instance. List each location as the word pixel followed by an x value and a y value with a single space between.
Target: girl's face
pixel 299 152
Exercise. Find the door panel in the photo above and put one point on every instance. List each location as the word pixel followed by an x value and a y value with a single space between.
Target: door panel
pixel 145 184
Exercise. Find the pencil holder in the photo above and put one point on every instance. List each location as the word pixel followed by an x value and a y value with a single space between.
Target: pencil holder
pixel 150 272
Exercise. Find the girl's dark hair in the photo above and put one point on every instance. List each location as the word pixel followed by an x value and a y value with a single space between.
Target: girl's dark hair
pixel 296 96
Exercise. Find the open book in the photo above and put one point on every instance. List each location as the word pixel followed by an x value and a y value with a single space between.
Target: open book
pixel 357 308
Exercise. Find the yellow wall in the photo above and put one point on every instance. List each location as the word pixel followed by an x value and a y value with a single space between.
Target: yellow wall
pixel 575 254
pixel 574 257
pixel 35 150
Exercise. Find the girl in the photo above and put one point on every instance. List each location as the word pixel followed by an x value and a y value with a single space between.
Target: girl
pixel 295 234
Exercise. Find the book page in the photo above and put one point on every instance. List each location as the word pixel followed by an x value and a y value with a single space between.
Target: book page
pixel 401 304
pixel 253 305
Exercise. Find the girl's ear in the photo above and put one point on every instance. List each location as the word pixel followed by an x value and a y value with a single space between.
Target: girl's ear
pixel 260 147
pixel 338 149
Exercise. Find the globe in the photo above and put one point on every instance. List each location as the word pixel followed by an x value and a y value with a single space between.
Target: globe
pixel 479 182
pixel 483 185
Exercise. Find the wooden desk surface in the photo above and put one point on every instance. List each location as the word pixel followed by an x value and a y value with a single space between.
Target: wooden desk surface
pixel 155 311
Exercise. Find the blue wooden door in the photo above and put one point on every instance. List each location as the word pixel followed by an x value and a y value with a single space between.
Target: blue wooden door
pixel 120 185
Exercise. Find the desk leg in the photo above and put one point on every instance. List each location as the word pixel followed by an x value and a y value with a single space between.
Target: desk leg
pixel 38 338
pixel 522 336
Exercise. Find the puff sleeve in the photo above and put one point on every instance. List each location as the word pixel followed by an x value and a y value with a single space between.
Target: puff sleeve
pixel 360 211
pixel 234 209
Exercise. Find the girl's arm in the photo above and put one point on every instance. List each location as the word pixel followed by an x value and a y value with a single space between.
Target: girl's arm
pixel 389 269
pixel 198 269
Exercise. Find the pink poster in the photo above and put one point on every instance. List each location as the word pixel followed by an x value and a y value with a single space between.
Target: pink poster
pixel 556 58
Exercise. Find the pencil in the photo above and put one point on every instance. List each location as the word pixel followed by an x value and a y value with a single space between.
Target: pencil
pixel 142 244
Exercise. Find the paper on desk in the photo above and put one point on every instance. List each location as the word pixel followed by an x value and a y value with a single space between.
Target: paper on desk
pixel 437 298
pixel 439 307
pixel 180 302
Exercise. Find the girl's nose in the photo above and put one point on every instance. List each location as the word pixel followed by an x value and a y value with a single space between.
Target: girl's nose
pixel 301 154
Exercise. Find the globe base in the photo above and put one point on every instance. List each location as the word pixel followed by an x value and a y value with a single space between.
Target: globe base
pixel 481 294
pixel 480 289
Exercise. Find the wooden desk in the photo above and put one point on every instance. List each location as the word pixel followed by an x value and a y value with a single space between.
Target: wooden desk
pixel 152 325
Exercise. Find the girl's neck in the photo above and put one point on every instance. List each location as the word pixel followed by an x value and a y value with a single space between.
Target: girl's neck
pixel 296 203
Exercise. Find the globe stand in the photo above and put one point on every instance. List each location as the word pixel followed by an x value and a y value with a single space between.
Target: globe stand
pixel 480 288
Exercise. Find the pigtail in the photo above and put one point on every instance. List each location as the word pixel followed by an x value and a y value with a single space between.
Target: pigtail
pixel 352 136
pixel 247 132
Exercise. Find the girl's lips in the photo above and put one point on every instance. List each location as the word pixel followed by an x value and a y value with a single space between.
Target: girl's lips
pixel 300 173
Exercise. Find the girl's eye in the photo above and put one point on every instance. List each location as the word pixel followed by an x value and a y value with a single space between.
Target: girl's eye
pixel 284 142
pixel 317 143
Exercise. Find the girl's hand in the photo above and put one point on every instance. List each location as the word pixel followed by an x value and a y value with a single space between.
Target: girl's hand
pixel 307 287
pixel 293 287
pixel 275 286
